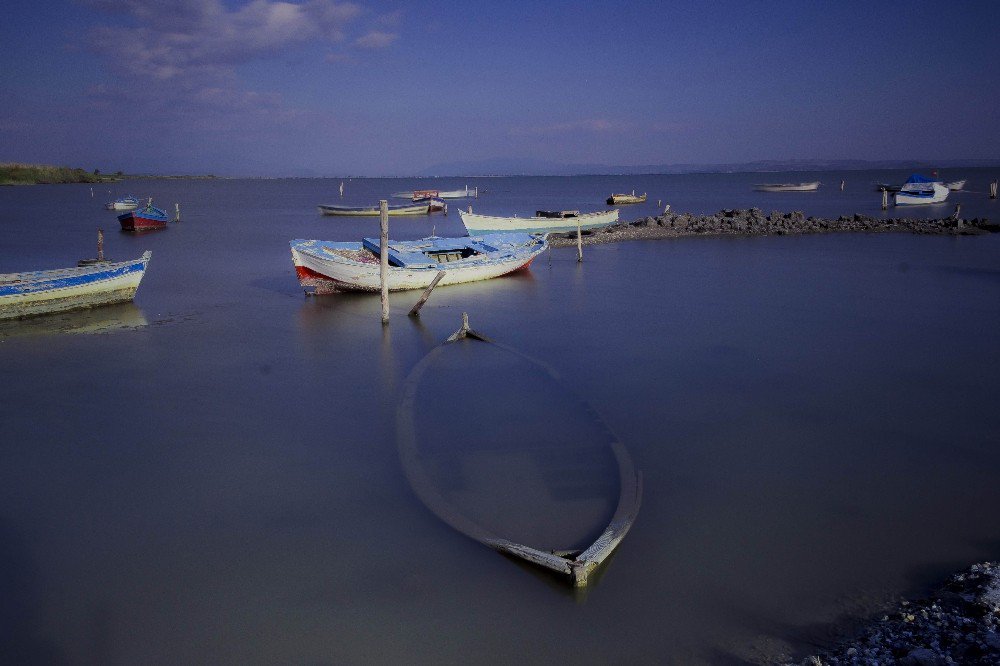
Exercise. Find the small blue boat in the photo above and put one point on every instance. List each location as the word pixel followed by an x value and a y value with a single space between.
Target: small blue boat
pixel 148 217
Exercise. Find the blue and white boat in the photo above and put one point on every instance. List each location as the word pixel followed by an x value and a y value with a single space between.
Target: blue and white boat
pixel 486 224
pixel 324 267
pixel 42 292
pixel 921 190
pixel 127 202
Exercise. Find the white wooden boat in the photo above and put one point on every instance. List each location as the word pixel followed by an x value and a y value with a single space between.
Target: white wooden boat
pixel 955 185
pixel 484 224
pixel 787 187
pixel 920 190
pixel 617 199
pixel 437 194
pixel 128 202
pixel 41 292
pixel 416 208
pixel 324 267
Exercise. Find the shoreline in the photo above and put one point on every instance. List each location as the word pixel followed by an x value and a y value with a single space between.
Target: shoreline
pixel 753 222
pixel 959 623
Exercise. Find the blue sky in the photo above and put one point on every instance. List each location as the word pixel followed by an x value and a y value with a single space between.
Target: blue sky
pixel 330 88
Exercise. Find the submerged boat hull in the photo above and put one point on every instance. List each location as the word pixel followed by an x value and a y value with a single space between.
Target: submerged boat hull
pixel 621 199
pixel 486 224
pixel 324 267
pixel 42 292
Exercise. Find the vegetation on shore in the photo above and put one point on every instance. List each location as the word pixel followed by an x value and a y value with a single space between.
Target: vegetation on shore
pixel 13 173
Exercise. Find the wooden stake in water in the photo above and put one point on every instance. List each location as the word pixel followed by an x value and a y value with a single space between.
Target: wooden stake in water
pixel 885 198
pixel 993 190
pixel 579 243
pixel 341 189
pixel 415 310
pixel 842 183
pixel 383 270
pixel 177 212
pixel 100 244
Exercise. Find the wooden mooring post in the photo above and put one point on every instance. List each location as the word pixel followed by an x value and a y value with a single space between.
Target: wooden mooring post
pixel 383 254
pixel 100 244
pixel 177 212
pixel 579 243
pixel 993 190
pixel 885 198
pixel 415 310
pixel 341 189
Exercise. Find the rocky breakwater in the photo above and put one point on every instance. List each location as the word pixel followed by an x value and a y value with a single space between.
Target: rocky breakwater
pixel 960 624
pixel 753 222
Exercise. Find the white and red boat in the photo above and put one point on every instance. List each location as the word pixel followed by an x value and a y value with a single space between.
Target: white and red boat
pixel 324 267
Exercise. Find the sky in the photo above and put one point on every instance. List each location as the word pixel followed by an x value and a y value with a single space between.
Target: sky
pixel 332 88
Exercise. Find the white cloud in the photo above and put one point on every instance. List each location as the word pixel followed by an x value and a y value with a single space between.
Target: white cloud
pixel 376 39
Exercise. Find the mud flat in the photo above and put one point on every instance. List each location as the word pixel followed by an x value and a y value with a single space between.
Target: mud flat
pixel 753 222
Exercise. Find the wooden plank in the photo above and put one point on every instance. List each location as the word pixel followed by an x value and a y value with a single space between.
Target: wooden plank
pixel 415 311
pixel 383 270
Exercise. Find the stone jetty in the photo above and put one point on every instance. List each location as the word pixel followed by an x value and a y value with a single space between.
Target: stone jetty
pixel 754 222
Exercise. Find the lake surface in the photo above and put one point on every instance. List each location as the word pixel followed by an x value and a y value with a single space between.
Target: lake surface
pixel 211 475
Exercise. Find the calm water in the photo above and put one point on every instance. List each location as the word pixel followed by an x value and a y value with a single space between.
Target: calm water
pixel 815 419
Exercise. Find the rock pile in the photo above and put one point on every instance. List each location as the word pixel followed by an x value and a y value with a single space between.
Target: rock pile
pixel 958 625
pixel 754 222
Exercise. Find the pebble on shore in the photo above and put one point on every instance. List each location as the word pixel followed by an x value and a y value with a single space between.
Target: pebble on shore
pixel 960 624
pixel 753 222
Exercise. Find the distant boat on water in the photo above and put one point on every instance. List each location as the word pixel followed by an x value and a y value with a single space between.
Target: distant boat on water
pixel 621 199
pixel 921 190
pixel 43 292
pixel 887 187
pixel 127 202
pixel 437 194
pixel 955 185
pixel 787 187
pixel 541 224
pixel 144 219
pixel 324 267
pixel 418 208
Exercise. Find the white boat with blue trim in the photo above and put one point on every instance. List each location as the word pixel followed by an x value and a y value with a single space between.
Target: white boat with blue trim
pixel 485 224
pixel 127 202
pixel 42 292
pixel 921 190
pixel 324 267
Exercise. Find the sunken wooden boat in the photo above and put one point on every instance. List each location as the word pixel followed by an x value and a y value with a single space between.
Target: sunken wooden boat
pixel 324 267
pixel 485 224
pixel 128 202
pixel 42 292
pixel 620 199
pixel 539 466
pixel 144 219
pixel 787 187
pixel 417 208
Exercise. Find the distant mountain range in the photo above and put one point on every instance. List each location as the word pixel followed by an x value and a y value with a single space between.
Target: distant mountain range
pixel 534 167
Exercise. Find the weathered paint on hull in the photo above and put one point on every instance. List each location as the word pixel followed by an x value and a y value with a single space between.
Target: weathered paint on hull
pixel 134 223
pixel 400 279
pixel 69 289
pixel 477 224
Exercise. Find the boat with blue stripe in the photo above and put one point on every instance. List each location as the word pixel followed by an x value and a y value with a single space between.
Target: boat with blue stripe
pixel 41 292
pixel 921 190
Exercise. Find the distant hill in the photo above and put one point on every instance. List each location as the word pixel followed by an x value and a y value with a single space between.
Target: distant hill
pixel 535 167
pixel 13 173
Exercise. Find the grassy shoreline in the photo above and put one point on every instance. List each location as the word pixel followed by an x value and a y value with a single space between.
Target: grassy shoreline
pixel 13 173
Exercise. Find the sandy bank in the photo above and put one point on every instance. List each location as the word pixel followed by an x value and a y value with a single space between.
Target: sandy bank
pixel 754 222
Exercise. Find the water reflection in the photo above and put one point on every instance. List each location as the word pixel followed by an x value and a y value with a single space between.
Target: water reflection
pixel 105 319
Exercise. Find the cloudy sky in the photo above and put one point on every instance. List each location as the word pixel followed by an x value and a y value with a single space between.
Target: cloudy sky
pixel 323 87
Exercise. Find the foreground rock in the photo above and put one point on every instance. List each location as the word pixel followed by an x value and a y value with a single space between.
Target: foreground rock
pixel 958 625
pixel 754 222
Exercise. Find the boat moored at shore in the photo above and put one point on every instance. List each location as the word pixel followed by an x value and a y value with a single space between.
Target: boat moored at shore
pixel 418 208
pixel 542 224
pixel 41 292
pixel 619 199
pixel 324 267
pixel 127 202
